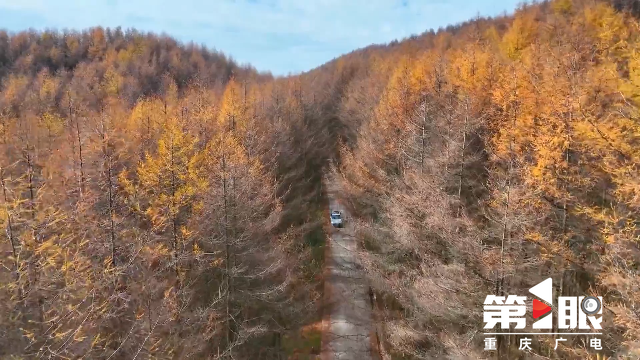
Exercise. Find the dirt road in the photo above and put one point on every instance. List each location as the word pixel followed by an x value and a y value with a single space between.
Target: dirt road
pixel 349 313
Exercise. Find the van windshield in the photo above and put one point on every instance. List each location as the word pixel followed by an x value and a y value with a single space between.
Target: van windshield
pixel 335 216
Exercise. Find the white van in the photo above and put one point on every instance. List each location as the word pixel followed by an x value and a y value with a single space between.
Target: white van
pixel 336 219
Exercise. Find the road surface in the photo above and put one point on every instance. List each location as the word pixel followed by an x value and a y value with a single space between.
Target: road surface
pixel 347 335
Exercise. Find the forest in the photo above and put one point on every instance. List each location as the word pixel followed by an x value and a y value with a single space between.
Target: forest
pixel 158 200
pixel 485 158
pixel 161 201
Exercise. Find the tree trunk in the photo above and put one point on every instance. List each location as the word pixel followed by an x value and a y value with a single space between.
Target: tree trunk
pixel 462 157
pixel 81 180
pixel 107 156
pixel 505 219
pixel 9 232
pixel 423 134
pixel 228 251
pixel 30 185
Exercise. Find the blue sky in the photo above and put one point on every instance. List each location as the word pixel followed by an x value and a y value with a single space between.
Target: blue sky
pixel 281 36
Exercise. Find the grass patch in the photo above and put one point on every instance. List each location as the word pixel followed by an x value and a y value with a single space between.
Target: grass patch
pixel 305 345
pixel 369 243
pixel 307 342
pixel 314 241
pixel 315 237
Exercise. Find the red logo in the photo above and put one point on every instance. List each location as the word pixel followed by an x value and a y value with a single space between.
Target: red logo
pixel 540 308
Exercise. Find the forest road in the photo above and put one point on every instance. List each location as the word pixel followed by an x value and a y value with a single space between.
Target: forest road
pixel 348 312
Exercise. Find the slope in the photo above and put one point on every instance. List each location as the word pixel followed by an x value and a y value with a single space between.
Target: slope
pixel 158 201
pixel 485 158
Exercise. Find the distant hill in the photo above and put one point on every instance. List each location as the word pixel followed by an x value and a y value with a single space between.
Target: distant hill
pixel 141 59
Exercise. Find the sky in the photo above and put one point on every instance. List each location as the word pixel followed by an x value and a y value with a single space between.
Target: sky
pixel 281 36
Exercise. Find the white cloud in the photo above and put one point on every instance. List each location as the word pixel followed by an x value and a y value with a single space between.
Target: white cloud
pixel 277 35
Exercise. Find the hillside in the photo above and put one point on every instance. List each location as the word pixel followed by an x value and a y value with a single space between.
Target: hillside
pixel 484 158
pixel 160 201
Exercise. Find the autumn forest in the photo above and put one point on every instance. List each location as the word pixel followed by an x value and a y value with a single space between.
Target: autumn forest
pixel 160 201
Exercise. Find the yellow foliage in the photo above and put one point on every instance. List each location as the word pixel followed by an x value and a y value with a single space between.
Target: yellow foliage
pixel 470 71
pixel 423 74
pixel 233 109
pixel 229 149
pixel 196 249
pixel 112 82
pixel 608 25
pixel 397 101
pixel 562 7
pixel 53 123
pixel 217 262
pixel 48 87
pixel 147 113
pixel 96 340
pixel 491 36
pixel 521 34
pixel 14 85
pixel 172 177
pixel 631 86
